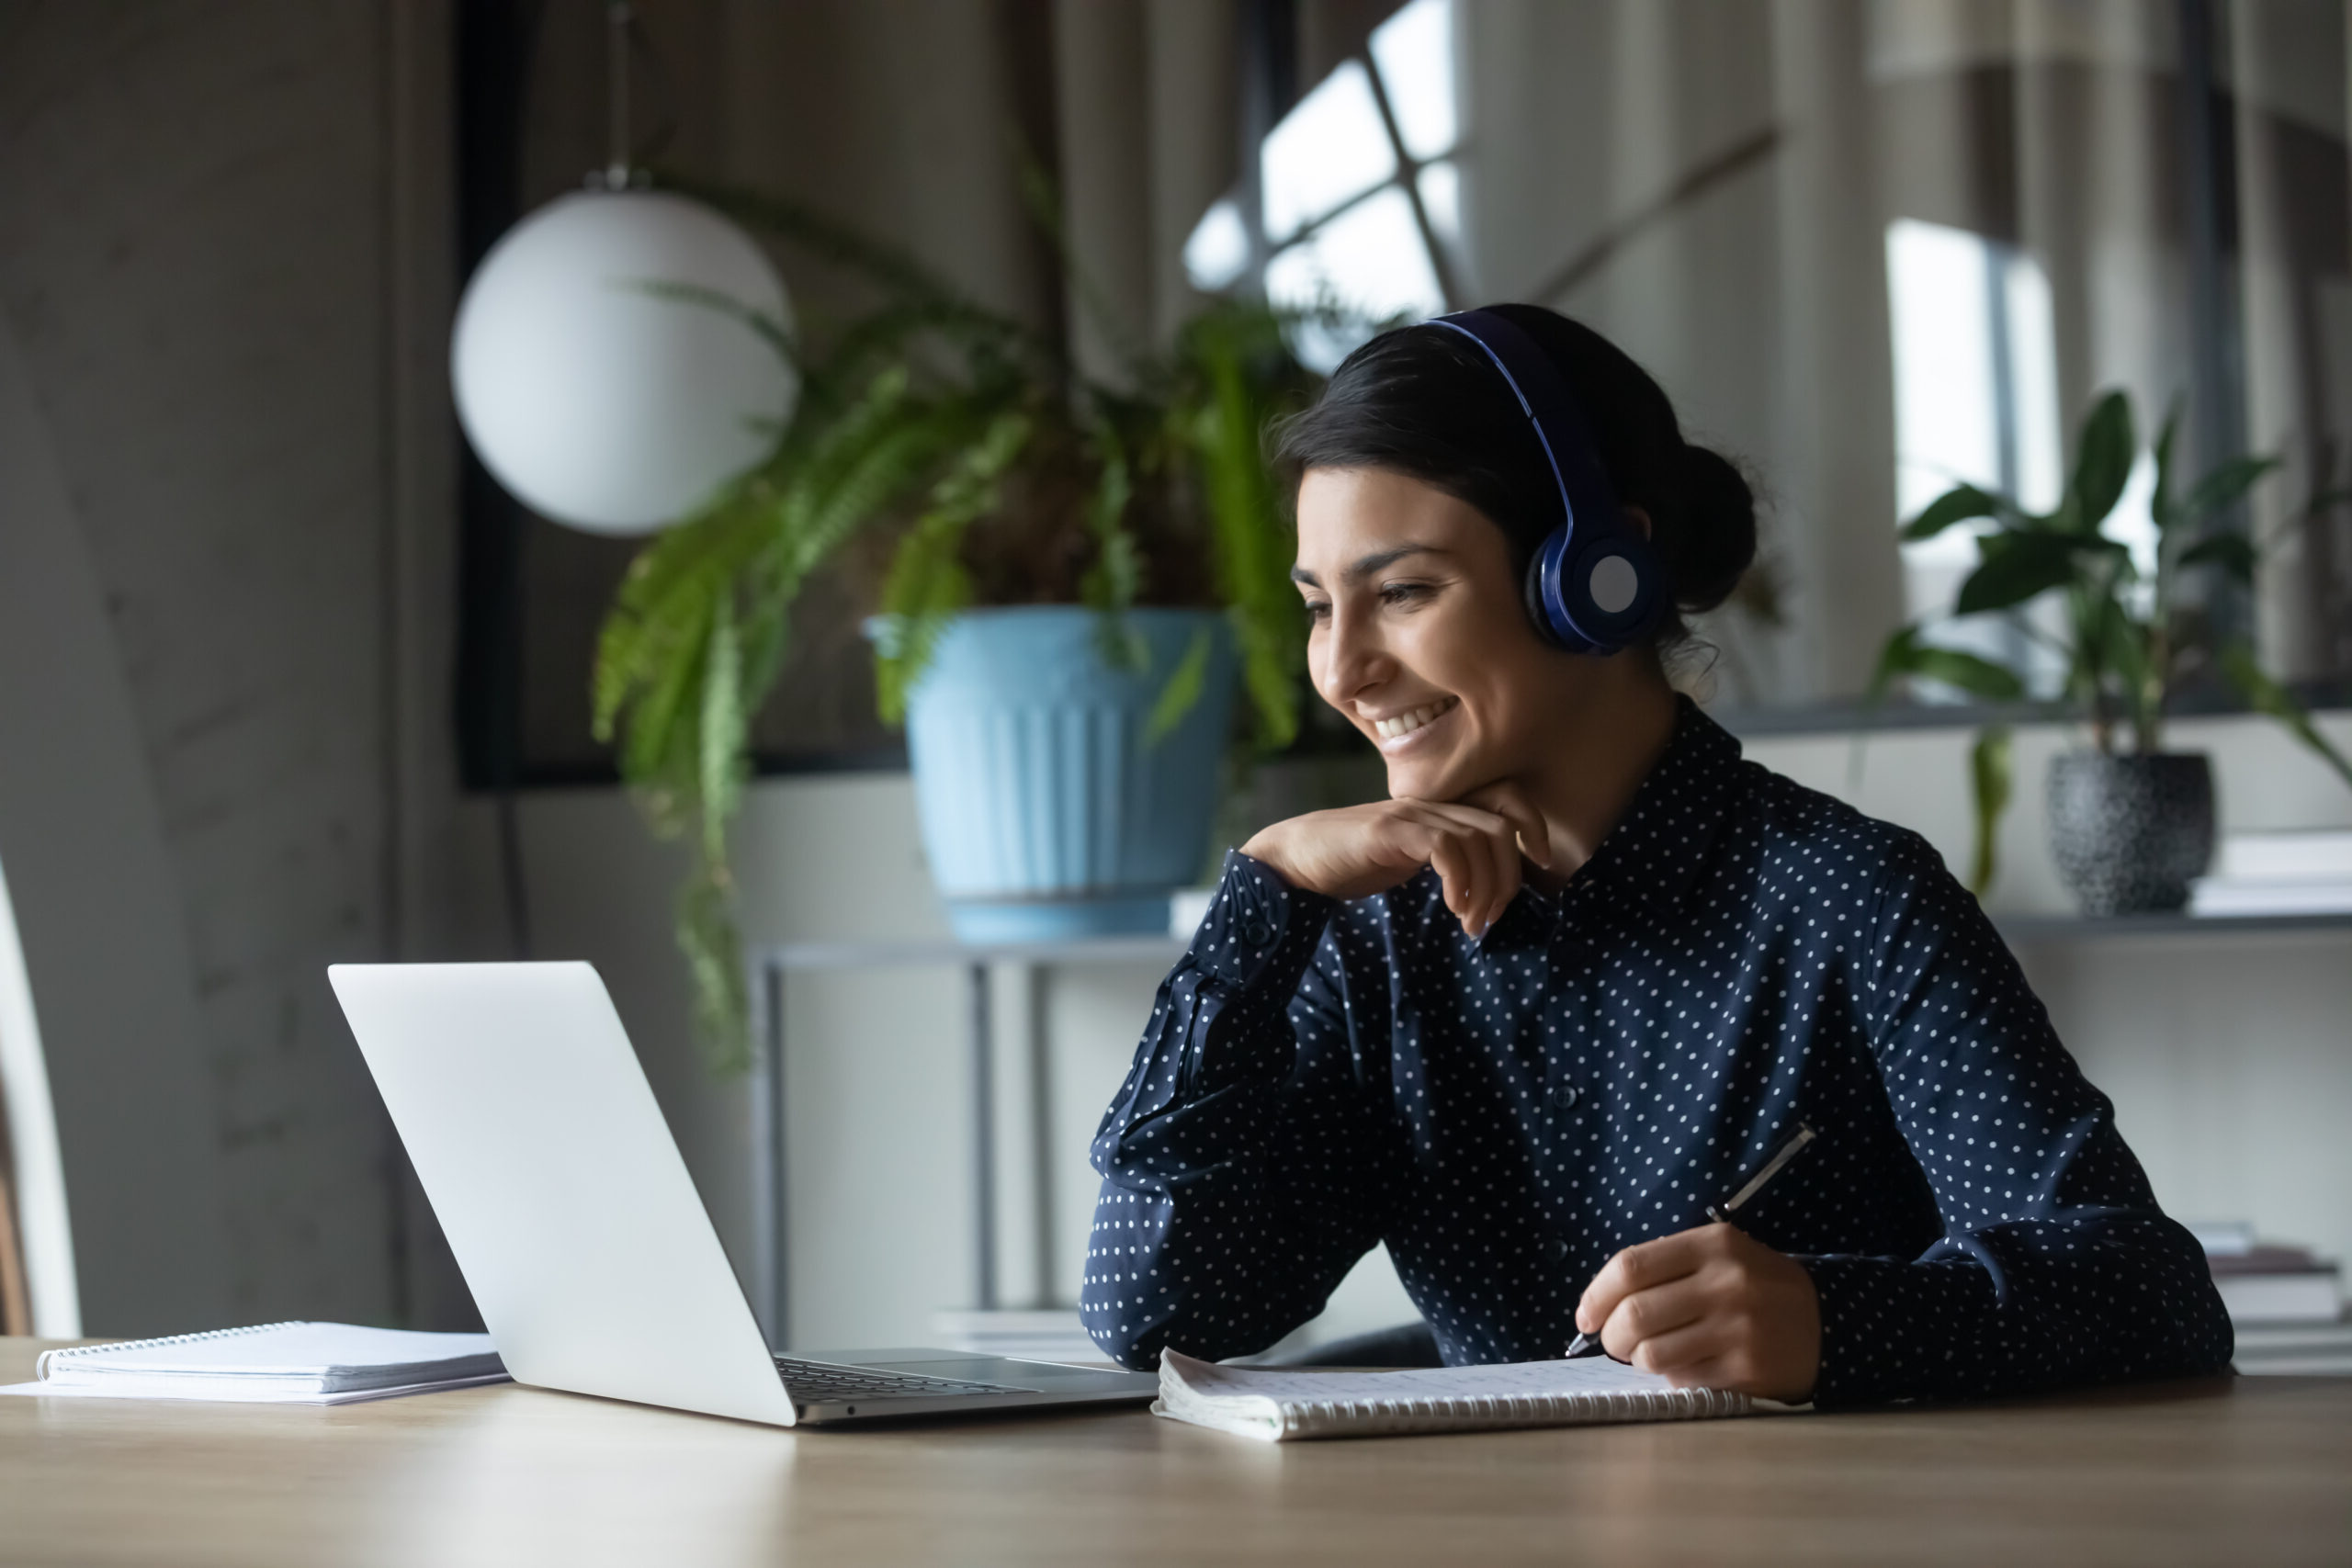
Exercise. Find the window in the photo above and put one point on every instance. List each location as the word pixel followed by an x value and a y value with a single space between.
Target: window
pixel 1975 402
pixel 1359 199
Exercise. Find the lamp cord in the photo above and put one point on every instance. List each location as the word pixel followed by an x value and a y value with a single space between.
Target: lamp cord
pixel 619 17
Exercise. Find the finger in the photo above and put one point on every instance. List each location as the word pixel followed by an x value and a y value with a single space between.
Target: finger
pixel 1730 1371
pixel 1456 869
pixel 1702 1339
pixel 1499 851
pixel 1654 1313
pixel 1508 801
pixel 1638 1269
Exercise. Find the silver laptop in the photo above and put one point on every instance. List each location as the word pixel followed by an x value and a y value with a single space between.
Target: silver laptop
pixel 539 1141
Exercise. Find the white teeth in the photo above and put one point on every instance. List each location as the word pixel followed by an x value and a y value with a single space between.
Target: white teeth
pixel 1406 723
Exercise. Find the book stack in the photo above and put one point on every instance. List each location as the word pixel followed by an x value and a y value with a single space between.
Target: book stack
pixel 2286 1306
pixel 2277 874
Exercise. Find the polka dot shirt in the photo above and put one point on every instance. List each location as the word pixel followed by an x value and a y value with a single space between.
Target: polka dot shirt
pixel 1740 954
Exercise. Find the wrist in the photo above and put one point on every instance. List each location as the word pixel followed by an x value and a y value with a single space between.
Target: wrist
pixel 1265 847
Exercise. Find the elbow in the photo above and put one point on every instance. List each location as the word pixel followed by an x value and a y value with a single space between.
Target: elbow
pixel 1120 1336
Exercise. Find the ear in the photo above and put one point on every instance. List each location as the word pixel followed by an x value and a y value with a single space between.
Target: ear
pixel 1640 518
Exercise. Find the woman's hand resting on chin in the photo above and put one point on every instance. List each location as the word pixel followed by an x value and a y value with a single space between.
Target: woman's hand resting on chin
pixel 1474 843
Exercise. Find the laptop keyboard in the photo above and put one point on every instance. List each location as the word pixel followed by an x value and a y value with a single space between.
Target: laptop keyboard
pixel 823 1383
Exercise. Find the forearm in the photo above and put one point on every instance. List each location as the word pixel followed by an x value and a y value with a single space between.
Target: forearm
pixel 1206 1235
pixel 2101 1296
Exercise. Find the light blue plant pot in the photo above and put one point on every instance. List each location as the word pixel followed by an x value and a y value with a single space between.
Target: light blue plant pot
pixel 1046 814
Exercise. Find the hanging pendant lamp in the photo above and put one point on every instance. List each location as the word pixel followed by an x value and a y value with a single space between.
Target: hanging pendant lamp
pixel 602 367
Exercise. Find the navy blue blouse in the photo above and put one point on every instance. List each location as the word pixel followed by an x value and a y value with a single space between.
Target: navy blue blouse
pixel 1740 954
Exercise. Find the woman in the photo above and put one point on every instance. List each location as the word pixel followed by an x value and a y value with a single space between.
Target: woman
pixel 1586 970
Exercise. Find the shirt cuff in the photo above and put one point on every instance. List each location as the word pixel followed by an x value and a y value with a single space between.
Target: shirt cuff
pixel 1255 920
pixel 1249 957
pixel 1892 1328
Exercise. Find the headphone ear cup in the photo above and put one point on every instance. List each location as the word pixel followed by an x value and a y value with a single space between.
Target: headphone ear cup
pixel 1550 605
pixel 1539 613
pixel 1611 593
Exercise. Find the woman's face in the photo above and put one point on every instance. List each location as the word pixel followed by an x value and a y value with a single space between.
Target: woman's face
pixel 1417 633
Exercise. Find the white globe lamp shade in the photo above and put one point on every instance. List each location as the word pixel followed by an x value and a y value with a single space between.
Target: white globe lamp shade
pixel 596 398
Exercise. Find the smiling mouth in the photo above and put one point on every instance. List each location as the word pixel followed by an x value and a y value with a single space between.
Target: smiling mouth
pixel 1406 723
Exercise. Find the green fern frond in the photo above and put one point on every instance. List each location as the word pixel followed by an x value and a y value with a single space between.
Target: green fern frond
pixel 1245 537
pixel 725 731
pixel 713 949
pixel 928 584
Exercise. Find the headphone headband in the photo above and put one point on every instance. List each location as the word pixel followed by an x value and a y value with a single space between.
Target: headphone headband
pixel 1594 584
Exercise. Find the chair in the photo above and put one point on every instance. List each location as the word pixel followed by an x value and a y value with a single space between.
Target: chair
pixel 37 1291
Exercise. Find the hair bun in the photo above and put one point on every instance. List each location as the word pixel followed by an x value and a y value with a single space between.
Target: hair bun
pixel 1715 541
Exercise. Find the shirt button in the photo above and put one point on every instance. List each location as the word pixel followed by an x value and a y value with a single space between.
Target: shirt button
pixel 1564 1096
pixel 1257 931
pixel 1558 1247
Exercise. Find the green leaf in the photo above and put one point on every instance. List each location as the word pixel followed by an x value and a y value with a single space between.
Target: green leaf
pixel 1977 676
pixel 713 949
pixel 2268 697
pixel 1958 504
pixel 1989 780
pixel 2224 486
pixel 928 584
pixel 1246 540
pixel 724 730
pixel 2126 647
pixel 2161 510
pixel 2019 566
pixel 1894 661
pixel 1182 689
pixel 2102 461
pixel 2231 551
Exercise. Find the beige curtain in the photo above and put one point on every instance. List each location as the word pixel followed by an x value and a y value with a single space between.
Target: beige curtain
pixel 2294 221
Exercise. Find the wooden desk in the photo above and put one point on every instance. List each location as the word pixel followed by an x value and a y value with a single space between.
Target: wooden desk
pixel 2254 1470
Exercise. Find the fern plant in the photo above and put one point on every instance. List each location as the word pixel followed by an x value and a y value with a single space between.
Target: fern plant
pixel 977 443
pixel 2128 639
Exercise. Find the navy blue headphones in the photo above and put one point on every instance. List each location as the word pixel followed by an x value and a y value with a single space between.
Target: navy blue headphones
pixel 1594 585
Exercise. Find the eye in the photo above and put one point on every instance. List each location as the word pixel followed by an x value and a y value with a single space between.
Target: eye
pixel 1404 593
pixel 1318 609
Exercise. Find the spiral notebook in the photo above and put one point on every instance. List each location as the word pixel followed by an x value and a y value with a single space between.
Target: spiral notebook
pixel 293 1363
pixel 1277 1405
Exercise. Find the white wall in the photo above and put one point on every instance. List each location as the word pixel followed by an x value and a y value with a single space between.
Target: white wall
pixel 212 242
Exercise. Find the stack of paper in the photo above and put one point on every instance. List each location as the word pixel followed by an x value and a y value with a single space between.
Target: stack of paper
pixel 296 1363
pixel 2279 874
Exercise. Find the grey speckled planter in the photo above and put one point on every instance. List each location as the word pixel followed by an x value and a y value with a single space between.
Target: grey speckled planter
pixel 2130 832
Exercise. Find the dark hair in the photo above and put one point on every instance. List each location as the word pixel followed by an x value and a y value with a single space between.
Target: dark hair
pixel 1425 403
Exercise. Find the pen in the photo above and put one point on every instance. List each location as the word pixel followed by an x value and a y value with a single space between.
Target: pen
pixel 1590 1344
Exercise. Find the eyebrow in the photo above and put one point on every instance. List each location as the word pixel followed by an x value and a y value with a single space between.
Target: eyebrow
pixel 1366 566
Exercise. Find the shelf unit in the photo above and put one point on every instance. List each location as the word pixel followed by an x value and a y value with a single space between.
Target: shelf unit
pixel 773 966
pixel 2044 929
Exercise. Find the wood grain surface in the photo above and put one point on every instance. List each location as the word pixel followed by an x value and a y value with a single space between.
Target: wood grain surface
pixel 2245 1471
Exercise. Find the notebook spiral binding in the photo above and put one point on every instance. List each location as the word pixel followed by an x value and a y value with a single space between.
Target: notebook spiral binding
pixel 50 1358
pixel 1488 1411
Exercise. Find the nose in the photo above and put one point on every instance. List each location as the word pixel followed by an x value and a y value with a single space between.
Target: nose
pixel 1350 658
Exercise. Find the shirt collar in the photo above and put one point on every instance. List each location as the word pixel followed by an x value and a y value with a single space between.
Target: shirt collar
pixel 1655 848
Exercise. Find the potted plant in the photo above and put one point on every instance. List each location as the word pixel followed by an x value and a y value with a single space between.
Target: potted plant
pixel 2131 823
pixel 1080 573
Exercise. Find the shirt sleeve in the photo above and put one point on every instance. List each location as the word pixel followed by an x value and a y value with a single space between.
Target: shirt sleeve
pixel 2056 1265
pixel 1241 1158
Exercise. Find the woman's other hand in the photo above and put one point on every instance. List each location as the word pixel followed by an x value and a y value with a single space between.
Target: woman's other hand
pixel 1358 850
pixel 1710 1308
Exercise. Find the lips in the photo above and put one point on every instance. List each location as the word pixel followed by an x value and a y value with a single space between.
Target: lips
pixel 1406 723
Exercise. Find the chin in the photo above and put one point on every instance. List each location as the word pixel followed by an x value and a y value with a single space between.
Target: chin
pixel 1423 780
